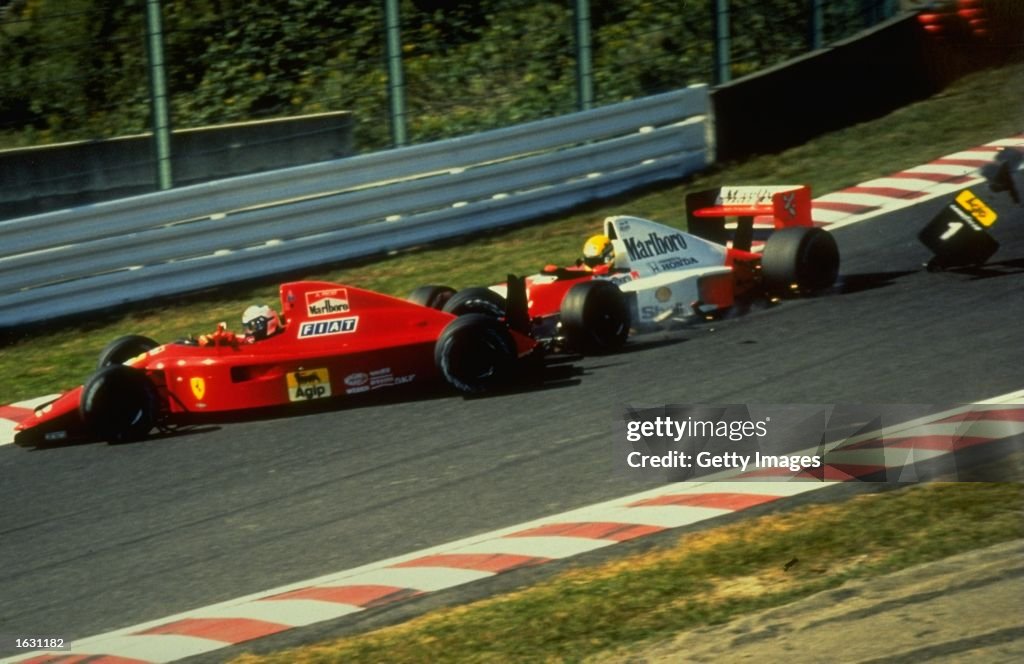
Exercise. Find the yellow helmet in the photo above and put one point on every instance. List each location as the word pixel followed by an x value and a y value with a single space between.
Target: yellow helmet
pixel 598 250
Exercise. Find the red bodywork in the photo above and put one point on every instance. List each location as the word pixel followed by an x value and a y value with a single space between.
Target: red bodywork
pixel 337 340
pixel 544 297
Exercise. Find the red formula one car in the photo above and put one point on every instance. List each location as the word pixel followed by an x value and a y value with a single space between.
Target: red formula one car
pixel 661 273
pixel 337 341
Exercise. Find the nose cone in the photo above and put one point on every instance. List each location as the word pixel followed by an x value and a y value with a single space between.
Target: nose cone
pixel 52 423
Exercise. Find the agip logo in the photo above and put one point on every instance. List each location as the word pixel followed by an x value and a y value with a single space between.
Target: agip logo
pixel 327 302
pixel 976 208
pixel 308 385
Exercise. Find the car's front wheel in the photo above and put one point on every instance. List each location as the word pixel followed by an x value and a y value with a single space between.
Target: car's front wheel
pixel 476 300
pixel 475 353
pixel 119 404
pixel 124 348
pixel 434 297
pixel 595 317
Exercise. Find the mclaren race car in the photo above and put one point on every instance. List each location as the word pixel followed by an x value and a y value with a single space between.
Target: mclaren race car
pixel 659 273
pixel 335 341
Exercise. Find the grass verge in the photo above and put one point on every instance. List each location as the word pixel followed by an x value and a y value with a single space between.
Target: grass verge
pixel 969 113
pixel 706 578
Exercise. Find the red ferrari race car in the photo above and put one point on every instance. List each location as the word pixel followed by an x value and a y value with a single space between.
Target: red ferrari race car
pixel 337 341
pixel 640 274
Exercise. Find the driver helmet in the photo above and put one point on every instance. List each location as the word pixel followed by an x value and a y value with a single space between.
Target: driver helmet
pixel 260 322
pixel 597 251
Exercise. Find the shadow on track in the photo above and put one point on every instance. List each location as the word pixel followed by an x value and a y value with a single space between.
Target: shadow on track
pixel 858 283
pixel 1004 268
pixel 555 372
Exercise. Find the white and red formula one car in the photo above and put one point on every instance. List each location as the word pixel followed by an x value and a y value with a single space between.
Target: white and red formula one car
pixel 660 273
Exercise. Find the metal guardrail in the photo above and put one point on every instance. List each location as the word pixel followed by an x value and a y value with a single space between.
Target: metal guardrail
pixel 131 250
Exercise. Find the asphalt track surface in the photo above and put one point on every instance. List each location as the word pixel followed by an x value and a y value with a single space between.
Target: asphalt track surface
pixel 98 537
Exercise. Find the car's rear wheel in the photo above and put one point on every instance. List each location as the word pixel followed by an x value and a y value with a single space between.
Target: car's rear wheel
pixel 476 353
pixel 124 348
pixel 476 300
pixel 119 404
pixel 800 259
pixel 434 297
pixel 595 317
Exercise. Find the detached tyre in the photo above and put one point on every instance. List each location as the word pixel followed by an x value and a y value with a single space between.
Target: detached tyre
pixel 595 317
pixel 118 404
pixel 475 353
pixel 124 348
pixel 434 297
pixel 803 258
pixel 476 300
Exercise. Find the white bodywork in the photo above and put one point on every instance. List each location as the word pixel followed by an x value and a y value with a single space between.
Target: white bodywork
pixel 665 266
pixel 660 264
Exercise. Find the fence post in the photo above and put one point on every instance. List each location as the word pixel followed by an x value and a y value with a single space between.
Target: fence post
pixel 158 94
pixel 722 56
pixel 396 82
pixel 584 57
pixel 817 25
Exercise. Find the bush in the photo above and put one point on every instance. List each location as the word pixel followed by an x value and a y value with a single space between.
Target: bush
pixel 77 68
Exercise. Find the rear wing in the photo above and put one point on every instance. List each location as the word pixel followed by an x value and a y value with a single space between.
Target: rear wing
pixel 783 205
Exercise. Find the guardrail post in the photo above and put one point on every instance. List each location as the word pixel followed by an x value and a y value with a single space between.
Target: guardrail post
pixel 584 57
pixel 396 82
pixel 158 94
pixel 816 30
pixel 722 48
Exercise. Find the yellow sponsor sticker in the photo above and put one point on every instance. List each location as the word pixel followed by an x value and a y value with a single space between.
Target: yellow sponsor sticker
pixel 308 384
pixel 198 386
pixel 976 208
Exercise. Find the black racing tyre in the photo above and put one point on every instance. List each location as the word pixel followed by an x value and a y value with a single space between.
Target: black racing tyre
pixel 118 404
pixel 800 257
pixel 476 353
pixel 124 348
pixel 595 317
pixel 476 300
pixel 434 297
